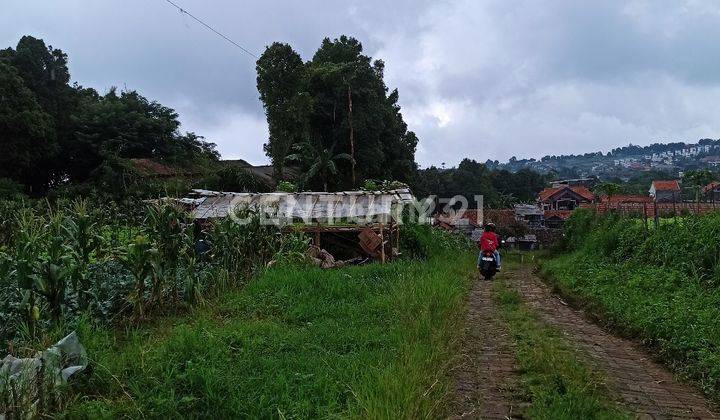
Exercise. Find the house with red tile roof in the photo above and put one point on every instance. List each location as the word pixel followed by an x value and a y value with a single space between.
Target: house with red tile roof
pixel 712 191
pixel 665 191
pixel 564 197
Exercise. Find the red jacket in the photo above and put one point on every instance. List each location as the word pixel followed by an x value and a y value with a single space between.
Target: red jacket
pixel 488 242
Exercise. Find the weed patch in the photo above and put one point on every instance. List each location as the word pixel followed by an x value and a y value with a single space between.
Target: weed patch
pixel 556 380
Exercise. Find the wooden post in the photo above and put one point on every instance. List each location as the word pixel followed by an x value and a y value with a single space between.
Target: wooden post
pixel 397 236
pixel 392 237
pixel 382 243
pixel 656 217
pixel 317 238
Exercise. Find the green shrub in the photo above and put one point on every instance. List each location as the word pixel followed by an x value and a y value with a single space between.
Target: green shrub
pixel 658 284
pixel 418 241
pixel 285 186
pixel 578 226
pixel 10 190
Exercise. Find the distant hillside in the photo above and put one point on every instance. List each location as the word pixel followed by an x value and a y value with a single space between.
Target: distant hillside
pixel 624 162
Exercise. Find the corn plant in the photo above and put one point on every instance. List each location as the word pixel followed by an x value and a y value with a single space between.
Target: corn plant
pixel 81 229
pixel 240 249
pixel 138 259
pixel 193 289
pixel 167 227
pixel 55 267
pixel 8 225
pixel 27 254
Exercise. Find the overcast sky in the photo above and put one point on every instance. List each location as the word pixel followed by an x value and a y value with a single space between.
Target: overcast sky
pixel 478 79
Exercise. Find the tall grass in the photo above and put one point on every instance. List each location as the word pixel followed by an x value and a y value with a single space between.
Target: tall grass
pixel 659 285
pixel 372 341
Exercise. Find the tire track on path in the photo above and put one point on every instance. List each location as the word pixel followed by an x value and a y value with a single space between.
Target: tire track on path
pixel 486 377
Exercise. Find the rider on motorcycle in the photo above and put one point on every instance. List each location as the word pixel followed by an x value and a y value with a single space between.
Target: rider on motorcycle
pixel 489 243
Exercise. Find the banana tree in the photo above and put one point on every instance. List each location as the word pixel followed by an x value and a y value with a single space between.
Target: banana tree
pixel 320 162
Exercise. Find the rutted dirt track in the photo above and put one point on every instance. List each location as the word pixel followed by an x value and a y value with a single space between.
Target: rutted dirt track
pixel 486 378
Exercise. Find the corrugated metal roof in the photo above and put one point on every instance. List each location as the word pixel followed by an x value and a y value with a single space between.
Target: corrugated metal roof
pixel 305 206
pixel 527 210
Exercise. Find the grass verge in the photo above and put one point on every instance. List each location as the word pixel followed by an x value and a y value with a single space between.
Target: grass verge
pixel 372 341
pixel 554 378
pixel 674 315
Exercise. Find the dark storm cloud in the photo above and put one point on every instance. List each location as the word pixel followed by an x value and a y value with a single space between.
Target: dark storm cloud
pixel 484 79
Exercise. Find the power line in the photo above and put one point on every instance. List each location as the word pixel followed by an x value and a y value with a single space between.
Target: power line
pixel 212 29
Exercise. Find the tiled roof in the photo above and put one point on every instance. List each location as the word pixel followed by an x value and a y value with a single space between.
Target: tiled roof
pixel 501 217
pixel 472 217
pixel 711 186
pixel 666 185
pixel 627 198
pixel 150 168
pixel 561 214
pixel 147 167
pixel 583 192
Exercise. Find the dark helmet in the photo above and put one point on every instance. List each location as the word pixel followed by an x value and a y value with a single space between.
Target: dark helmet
pixel 490 227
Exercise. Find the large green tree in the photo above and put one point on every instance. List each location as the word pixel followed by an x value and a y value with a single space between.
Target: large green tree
pixel 27 133
pixel 338 98
pixel 56 133
pixel 280 73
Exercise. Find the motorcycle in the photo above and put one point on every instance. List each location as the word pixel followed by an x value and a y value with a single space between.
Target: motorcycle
pixel 488 267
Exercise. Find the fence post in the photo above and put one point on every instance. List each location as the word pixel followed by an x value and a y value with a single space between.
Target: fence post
pixel 656 217
pixel 645 218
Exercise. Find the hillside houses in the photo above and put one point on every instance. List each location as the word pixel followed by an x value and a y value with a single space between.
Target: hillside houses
pixel 624 162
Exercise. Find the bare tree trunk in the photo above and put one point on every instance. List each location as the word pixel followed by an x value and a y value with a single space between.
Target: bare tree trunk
pixel 352 134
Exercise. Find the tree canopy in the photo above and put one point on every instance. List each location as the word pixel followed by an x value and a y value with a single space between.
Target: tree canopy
pixel 338 102
pixel 499 188
pixel 53 133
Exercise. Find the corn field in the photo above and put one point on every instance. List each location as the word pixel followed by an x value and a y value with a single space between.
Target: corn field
pixel 75 258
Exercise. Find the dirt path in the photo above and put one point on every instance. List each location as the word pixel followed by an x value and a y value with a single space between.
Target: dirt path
pixel 646 388
pixel 485 378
